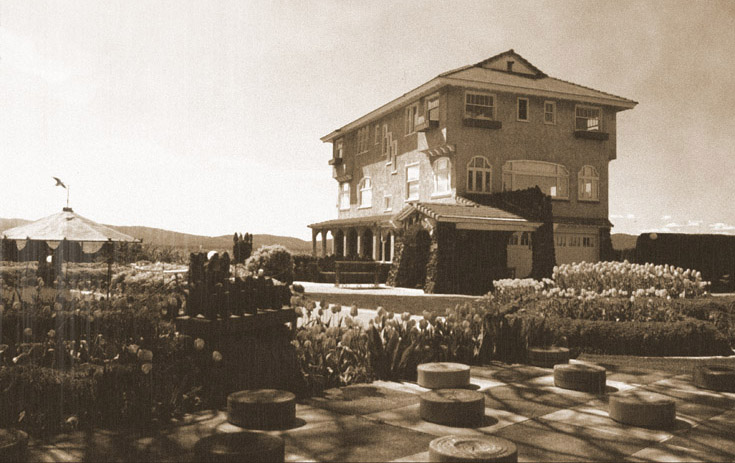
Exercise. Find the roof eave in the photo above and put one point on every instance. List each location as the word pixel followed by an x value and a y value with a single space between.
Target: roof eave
pixel 427 88
pixel 604 100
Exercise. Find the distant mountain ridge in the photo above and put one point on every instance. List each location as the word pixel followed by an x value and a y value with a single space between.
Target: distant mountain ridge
pixel 161 237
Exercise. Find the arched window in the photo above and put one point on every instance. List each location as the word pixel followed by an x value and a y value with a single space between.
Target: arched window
pixel 366 192
pixel 552 179
pixel 442 180
pixel 589 184
pixel 479 175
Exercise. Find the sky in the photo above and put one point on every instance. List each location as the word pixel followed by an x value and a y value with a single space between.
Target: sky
pixel 205 117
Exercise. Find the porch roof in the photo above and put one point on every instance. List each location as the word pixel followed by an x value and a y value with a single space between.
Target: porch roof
pixel 366 221
pixel 469 216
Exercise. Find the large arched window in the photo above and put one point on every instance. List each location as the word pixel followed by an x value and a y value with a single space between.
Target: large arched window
pixel 366 192
pixel 479 175
pixel 589 184
pixel 552 179
pixel 442 179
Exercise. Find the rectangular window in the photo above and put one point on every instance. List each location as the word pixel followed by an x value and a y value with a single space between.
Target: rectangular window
pixel 387 206
pixel 561 241
pixel 523 109
pixel 432 110
pixel 479 106
pixel 377 134
pixel 549 112
pixel 362 139
pixel 412 182
pixel 393 154
pixel 338 149
pixel 386 140
pixel 588 118
pixel 411 113
pixel 441 177
pixel 344 196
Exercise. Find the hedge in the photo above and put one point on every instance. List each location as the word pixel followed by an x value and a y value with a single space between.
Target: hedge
pixel 513 333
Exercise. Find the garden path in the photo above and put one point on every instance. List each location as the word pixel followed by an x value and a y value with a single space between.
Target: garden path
pixel 380 422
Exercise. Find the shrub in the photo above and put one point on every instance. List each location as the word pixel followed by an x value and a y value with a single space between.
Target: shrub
pixel 685 338
pixel 275 261
pixel 306 268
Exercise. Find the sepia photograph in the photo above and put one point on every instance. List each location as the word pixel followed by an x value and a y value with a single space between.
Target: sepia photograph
pixel 389 231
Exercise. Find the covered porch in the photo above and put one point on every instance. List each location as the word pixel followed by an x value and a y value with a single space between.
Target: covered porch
pixel 469 244
pixel 370 237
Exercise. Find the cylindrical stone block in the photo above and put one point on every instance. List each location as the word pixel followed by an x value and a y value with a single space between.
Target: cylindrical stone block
pixel 453 407
pixel 641 408
pixel 443 375
pixel 580 377
pixel 261 409
pixel 715 377
pixel 547 357
pixel 472 449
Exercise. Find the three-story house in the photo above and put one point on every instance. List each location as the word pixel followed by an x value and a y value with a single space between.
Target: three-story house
pixel 434 153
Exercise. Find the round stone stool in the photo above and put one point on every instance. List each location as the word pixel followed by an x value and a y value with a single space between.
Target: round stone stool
pixel 13 445
pixel 472 449
pixel 580 377
pixel 261 409
pixel 240 447
pixel 715 377
pixel 443 375
pixel 453 407
pixel 645 409
pixel 547 357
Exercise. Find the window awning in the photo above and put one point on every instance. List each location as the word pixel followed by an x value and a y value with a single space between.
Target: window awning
pixel 442 150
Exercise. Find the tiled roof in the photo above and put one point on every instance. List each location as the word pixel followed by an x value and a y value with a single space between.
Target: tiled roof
pixel 466 212
pixel 441 211
pixel 383 219
pixel 479 76
pixel 520 81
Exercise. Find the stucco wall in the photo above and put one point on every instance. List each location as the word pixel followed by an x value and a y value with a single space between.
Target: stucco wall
pixel 532 140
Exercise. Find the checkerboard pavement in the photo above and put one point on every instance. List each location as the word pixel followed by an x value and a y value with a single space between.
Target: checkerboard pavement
pixel 380 422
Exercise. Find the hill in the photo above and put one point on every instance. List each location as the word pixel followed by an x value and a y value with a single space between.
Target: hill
pixel 161 237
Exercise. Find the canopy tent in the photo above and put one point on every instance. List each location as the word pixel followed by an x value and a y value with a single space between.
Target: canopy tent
pixel 67 226
pixel 70 226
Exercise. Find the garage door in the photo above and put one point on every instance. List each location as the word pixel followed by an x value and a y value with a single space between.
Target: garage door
pixel 576 247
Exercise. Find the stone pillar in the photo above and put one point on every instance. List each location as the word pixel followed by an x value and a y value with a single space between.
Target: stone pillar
pixel 376 252
pixel 314 232
pixel 392 246
pixel 324 243
pixel 345 250
pixel 359 242
pixel 334 242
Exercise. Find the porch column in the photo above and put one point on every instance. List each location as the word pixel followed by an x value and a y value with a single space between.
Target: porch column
pixel 345 251
pixel 314 232
pixel 376 253
pixel 392 246
pixel 334 242
pixel 359 242
pixel 324 243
